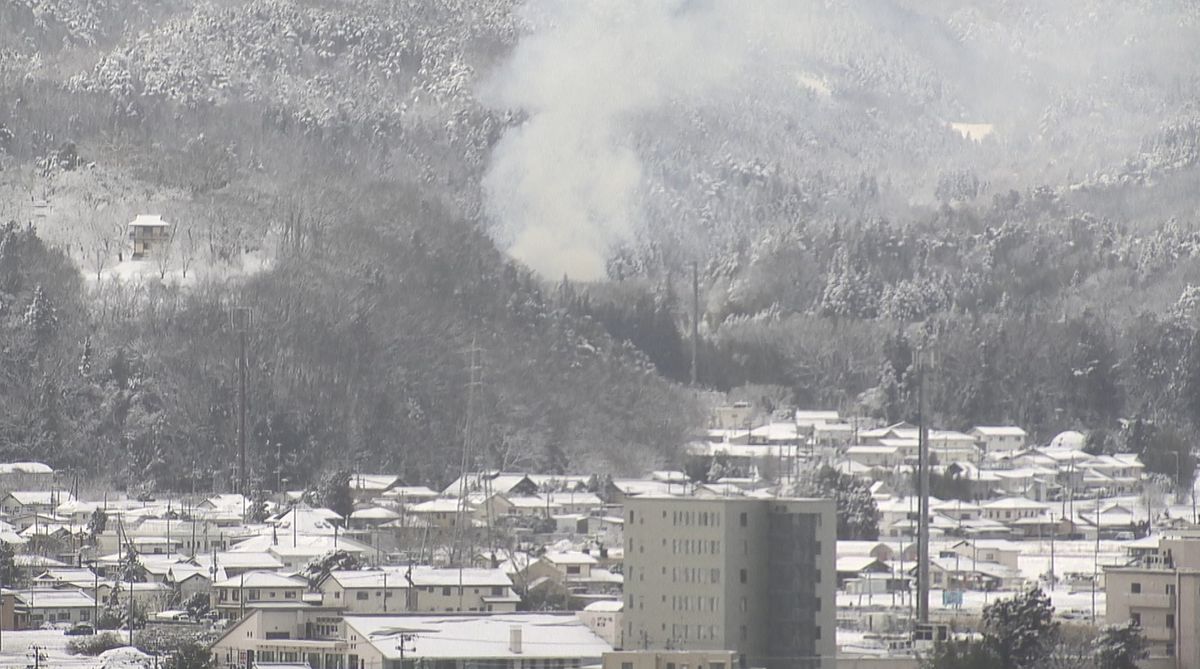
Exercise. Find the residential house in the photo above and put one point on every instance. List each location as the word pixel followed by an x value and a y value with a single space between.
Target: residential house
pixel 20 502
pixel 32 608
pixel 875 457
pixel 492 482
pixel 431 590
pixel 442 513
pixel 405 495
pixel 371 518
pixel 998 439
pixel 305 636
pixel 25 476
pixel 234 595
pixel 366 487
pixel 1009 509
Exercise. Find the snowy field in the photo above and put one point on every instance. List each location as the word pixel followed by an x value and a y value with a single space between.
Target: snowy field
pixel 17 649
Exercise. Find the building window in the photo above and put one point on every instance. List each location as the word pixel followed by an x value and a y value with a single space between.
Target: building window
pixel 1170 588
pixel 1171 620
pixel 1136 618
pixel 743 519
pixel 445 592
pixel 626 665
pixel 572 569
pixel 742 575
pixel 1135 588
pixel 360 596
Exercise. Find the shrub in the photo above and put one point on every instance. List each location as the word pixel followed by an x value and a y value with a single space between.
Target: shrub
pixel 95 644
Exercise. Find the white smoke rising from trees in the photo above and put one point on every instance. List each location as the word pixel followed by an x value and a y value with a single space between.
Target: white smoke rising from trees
pixel 566 185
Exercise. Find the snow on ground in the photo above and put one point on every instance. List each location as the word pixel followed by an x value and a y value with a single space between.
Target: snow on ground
pixel 17 648
pixel 139 271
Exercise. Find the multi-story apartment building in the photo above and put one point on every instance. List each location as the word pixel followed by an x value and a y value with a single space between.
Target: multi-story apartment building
pixel 1160 590
pixel 752 575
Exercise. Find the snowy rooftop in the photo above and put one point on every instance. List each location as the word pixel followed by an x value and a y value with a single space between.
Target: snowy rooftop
pixel 543 635
pixel 148 221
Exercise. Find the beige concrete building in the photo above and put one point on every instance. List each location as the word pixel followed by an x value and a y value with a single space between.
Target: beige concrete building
pixel 670 659
pixel 756 576
pixel 1160 590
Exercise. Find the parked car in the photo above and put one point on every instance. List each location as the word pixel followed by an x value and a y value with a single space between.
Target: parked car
pixel 171 617
pixel 80 629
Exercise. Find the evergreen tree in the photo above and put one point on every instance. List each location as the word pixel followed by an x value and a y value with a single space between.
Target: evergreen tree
pixel 340 560
pixel 40 317
pixel 8 565
pixel 97 523
pixel 1119 646
pixel 1021 629
pixel 334 493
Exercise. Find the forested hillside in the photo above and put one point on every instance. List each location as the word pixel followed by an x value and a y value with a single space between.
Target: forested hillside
pixel 390 184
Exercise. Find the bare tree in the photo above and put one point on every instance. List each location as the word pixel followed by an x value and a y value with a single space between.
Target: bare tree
pixel 164 254
pixel 102 238
pixel 186 250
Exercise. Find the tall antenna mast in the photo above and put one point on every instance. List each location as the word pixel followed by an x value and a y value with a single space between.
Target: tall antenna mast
pixel 923 504
pixel 240 318
pixel 460 531
pixel 695 317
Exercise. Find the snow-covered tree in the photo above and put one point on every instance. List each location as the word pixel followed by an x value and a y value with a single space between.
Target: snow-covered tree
pixel 1119 646
pixel 1021 629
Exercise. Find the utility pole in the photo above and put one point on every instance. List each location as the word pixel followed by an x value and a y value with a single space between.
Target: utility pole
pixel 406 637
pixel 1053 532
pixel 923 503
pixel 695 317
pixel 240 318
pixel 1096 559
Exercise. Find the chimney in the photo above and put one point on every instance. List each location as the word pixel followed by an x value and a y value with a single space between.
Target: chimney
pixel 514 639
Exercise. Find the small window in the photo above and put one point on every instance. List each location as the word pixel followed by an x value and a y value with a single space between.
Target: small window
pixel 1170 588
pixel 1136 618
pixel 1135 588
pixel 360 596
pixel 626 665
pixel 1171 620
pixel 743 519
pixel 742 575
pixel 445 592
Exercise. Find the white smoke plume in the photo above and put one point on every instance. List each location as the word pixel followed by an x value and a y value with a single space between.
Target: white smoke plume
pixel 565 186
